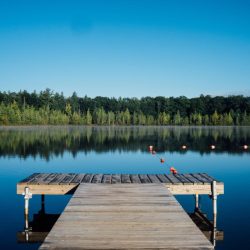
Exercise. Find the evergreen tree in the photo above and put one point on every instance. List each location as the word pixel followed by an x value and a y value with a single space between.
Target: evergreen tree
pixel 88 118
pixel 215 118
pixel 177 118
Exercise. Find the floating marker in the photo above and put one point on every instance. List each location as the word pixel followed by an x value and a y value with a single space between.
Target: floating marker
pixel 153 152
pixel 184 147
pixel 212 146
pixel 245 147
pixel 173 170
pixel 150 148
pixel 162 160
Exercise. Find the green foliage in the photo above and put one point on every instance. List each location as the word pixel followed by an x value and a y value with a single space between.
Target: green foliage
pixel 88 118
pixel 46 107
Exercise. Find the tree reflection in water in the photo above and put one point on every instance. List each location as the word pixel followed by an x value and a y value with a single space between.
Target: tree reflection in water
pixel 46 142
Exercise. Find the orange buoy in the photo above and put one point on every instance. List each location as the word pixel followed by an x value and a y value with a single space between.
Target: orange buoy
pixel 162 160
pixel 150 148
pixel 184 147
pixel 245 147
pixel 212 146
pixel 173 170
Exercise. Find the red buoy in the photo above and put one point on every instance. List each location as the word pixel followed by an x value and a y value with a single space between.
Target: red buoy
pixel 173 170
pixel 162 160
pixel 150 148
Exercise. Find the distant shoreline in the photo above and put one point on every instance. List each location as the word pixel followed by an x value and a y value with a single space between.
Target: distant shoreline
pixel 119 126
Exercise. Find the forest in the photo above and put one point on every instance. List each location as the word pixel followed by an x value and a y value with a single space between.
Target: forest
pixel 49 108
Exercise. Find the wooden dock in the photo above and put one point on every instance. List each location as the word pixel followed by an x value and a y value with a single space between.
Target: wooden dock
pixel 56 183
pixel 124 217
pixel 122 211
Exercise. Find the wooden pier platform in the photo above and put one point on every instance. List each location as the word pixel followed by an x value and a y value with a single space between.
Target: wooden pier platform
pixel 123 211
pixel 124 217
pixel 56 183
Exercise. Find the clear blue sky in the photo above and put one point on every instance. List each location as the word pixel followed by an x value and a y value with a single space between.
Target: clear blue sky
pixel 126 48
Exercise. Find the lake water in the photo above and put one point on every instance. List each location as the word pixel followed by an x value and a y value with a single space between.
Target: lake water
pixel 26 150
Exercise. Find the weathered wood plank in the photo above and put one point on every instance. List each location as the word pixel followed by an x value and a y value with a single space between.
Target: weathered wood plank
pixel 209 178
pixel 200 178
pixel 116 178
pixel 117 217
pixel 29 178
pixel 183 179
pixel 174 180
pixel 38 179
pixel 107 178
pixel 153 178
pixel 144 178
pixel 125 178
pixel 47 179
pixel 192 179
pixel 87 178
pixel 97 178
pixel 163 178
pixel 135 178
pixel 67 179
pixel 57 179
pixel 77 179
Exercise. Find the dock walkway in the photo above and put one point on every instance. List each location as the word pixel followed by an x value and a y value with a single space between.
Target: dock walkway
pixel 123 211
pixel 120 216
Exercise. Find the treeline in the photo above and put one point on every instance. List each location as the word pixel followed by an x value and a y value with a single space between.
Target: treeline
pixel 48 108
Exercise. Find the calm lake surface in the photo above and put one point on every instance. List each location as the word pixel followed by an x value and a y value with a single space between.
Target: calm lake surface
pixel 26 150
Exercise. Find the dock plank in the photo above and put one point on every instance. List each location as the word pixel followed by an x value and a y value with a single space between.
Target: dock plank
pixel 209 178
pixel 77 179
pixel 135 178
pixel 183 179
pixel 116 178
pixel 107 179
pixel 97 178
pixel 57 179
pixel 192 179
pixel 174 180
pixel 67 179
pixel 87 178
pixel 29 178
pixel 48 179
pixel 153 178
pixel 144 178
pixel 163 178
pixel 38 179
pixel 201 178
pixel 125 178
pixel 124 216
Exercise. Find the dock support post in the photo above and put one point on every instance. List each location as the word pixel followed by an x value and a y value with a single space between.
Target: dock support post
pixel 27 196
pixel 214 197
pixel 196 201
